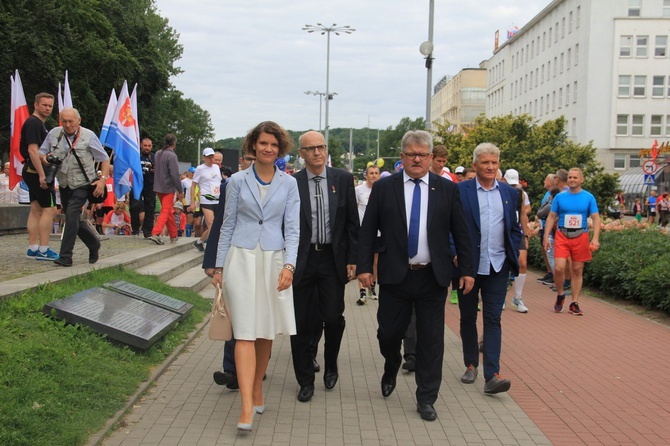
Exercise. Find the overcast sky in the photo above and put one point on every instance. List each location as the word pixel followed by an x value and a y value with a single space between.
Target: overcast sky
pixel 247 61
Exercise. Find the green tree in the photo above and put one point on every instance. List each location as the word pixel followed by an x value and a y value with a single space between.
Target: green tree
pixel 533 149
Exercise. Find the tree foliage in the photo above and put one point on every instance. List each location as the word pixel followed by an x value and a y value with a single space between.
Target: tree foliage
pixel 101 43
pixel 533 149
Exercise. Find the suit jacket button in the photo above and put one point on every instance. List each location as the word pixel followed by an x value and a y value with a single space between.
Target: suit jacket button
pixel 260 222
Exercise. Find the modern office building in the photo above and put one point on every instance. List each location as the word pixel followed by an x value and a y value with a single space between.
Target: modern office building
pixel 602 64
pixel 460 99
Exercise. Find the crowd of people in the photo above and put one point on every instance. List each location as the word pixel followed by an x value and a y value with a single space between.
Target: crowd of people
pixel 283 244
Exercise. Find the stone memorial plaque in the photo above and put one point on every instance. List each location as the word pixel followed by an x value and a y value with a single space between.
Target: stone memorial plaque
pixel 115 315
pixel 151 297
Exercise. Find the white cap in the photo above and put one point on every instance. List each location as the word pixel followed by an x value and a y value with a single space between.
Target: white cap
pixel 208 152
pixel 512 177
pixel 446 169
pixel 460 169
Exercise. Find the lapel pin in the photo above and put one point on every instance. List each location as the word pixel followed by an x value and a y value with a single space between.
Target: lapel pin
pixel 333 188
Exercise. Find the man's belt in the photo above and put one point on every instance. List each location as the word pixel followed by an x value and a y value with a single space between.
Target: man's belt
pixel 418 266
pixel 572 233
pixel 321 247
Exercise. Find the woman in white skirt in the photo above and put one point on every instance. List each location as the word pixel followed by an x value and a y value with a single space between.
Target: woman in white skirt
pixel 256 259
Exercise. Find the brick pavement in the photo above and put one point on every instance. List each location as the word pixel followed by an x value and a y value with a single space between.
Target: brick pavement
pixel 591 380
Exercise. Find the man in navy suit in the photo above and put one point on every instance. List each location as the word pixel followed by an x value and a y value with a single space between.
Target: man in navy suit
pixel 326 259
pixel 490 209
pixel 416 211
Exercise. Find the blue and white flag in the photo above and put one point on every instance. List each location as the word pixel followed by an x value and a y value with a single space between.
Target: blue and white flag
pixel 111 108
pixel 122 137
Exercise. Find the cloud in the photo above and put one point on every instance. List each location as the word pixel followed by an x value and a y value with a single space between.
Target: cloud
pixel 249 61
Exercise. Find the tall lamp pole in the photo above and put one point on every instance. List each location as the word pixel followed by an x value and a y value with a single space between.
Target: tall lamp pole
pixel 426 49
pixel 321 95
pixel 327 30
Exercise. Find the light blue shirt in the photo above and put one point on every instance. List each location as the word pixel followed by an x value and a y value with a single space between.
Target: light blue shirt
pixel 492 225
pixel 323 184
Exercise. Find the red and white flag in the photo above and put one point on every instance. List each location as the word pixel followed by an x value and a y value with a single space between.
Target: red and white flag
pixel 18 115
pixel 64 96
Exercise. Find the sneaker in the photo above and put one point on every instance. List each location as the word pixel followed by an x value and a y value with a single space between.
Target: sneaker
pixel 31 254
pixel 548 281
pixel 517 303
pixel 546 277
pixel 453 297
pixel 49 255
pixel 372 293
pixel 174 240
pixel 574 309
pixel 504 305
pixel 199 246
pixel 361 300
pixel 155 239
pixel 496 385
pixel 558 305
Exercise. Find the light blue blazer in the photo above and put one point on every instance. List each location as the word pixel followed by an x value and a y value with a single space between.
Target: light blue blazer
pixel 248 222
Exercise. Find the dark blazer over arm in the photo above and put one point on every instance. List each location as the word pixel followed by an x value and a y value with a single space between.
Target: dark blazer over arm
pixel 386 212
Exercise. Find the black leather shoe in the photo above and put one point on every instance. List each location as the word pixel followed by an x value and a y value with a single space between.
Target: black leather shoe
pixel 306 393
pixel 63 262
pixel 427 411
pixel 330 379
pixel 94 255
pixel 410 363
pixel 388 386
pixel 317 367
pixel 224 378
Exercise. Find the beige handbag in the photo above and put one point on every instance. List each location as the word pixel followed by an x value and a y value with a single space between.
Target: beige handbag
pixel 220 328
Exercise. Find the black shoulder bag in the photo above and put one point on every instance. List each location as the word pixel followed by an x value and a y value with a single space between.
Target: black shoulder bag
pixel 91 187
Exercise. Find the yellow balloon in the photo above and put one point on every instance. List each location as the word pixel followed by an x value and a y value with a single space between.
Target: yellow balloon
pixel 370 163
pixel 380 163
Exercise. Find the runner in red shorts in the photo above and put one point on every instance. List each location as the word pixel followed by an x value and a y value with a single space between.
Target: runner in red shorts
pixel 570 210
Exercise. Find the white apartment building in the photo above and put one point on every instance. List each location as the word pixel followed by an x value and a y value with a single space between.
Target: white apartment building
pixel 602 64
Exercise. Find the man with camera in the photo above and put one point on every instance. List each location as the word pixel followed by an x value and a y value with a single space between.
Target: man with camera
pixel 75 150
pixel 142 210
pixel 40 189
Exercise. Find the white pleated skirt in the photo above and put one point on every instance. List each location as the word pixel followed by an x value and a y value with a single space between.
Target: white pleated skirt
pixel 257 309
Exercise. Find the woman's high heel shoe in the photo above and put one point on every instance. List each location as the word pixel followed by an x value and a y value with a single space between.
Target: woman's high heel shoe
pixel 259 409
pixel 246 427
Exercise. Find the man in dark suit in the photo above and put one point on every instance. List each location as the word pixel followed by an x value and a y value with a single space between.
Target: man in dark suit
pixel 326 259
pixel 416 211
pixel 490 209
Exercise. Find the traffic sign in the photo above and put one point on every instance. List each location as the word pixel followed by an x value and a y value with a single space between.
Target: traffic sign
pixel 397 166
pixel 649 167
pixel 649 179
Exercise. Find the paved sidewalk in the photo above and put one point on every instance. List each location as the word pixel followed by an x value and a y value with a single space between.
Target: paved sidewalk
pixel 187 408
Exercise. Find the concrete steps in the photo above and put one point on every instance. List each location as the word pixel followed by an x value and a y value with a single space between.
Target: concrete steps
pixel 193 279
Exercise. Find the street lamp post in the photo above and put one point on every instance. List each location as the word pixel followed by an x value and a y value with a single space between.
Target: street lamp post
pixel 327 30
pixel 321 96
pixel 426 49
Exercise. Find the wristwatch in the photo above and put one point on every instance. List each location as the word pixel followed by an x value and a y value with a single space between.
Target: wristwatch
pixel 289 267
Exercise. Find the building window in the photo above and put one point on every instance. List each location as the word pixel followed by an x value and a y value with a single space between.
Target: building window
pixel 641 43
pixel 624 86
pixel 660 49
pixel 544 40
pixel 560 97
pixel 667 125
pixel 574 126
pixel 656 125
pixel 637 127
pixel 537 75
pixel 550 30
pixel 619 161
pixel 666 8
pixel 541 105
pixel 625 44
pixel 579 16
pixel 547 103
pixel 574 94
pixel 531 81
pixel 622 125
pixel 556 34
pixel 569 57
pixel 553 101
pixel 658 86
pixel 634 161
pixel 576 54
pixel 639 86
pixel 563 27
pixel 532 49
pixel 634 8
pixel 570 22
pixel 555 66
pixel 567 95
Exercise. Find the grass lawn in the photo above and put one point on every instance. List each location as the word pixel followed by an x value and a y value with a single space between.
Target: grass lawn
pixel 59 383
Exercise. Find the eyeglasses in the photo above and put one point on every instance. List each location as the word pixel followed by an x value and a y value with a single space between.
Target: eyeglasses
pixel 249 159
pixel 320 147
pixel 421 156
